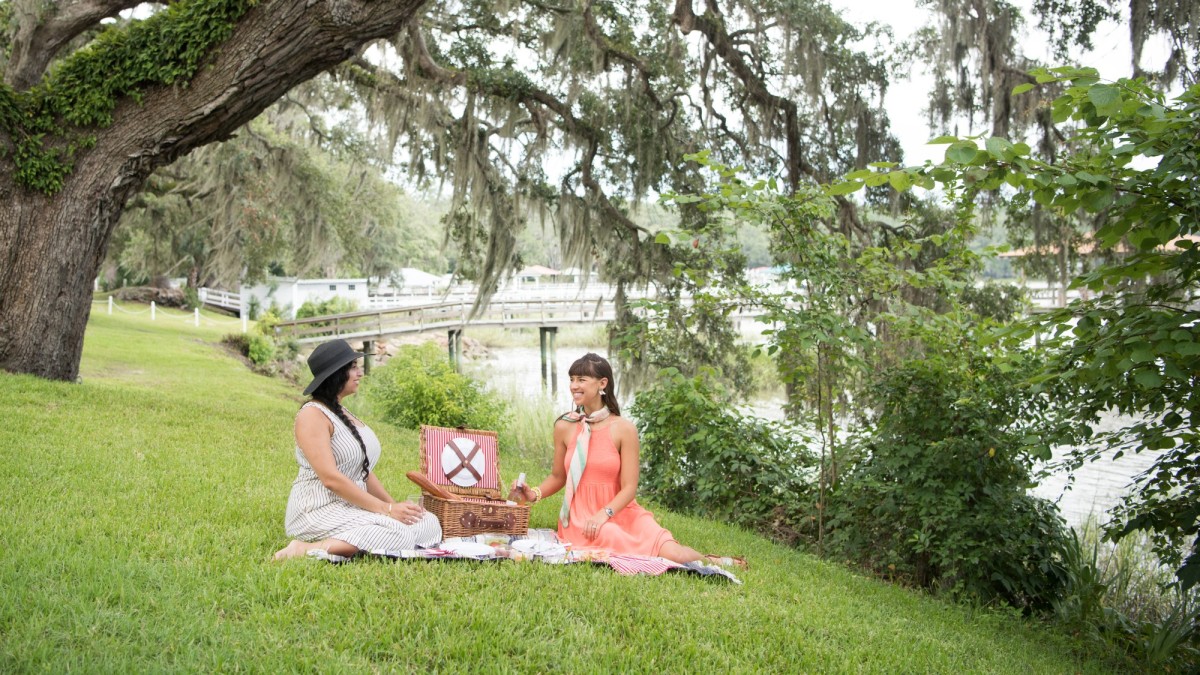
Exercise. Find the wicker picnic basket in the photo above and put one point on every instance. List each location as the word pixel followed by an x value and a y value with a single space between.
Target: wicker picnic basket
pixel 466 462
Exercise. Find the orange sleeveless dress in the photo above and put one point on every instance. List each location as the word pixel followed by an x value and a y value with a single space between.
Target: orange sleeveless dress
pixel 633 530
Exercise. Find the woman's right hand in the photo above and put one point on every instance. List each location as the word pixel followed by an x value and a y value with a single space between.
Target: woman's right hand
pixel 530 495
pixel 406 512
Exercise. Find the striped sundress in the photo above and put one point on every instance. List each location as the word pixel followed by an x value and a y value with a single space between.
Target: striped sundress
pixel 314 512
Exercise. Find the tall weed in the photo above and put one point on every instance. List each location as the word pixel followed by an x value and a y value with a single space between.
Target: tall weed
pixel 1123 592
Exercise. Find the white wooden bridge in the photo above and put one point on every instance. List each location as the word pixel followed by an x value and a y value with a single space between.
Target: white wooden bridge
pixel 453 317
pixel 372 325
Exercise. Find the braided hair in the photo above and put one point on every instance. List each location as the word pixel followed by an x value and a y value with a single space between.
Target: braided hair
pixel 327 395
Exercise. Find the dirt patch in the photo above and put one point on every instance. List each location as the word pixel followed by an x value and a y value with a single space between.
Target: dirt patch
pixel 163 297
pixel 386 349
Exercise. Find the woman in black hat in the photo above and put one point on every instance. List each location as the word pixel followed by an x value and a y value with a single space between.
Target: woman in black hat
pixel 337 504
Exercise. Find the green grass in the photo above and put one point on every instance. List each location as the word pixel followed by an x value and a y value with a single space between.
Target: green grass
pixel 141 506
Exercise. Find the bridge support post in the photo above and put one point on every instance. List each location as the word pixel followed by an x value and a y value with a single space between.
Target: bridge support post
pixel 368 356
pixel 454 344
pixel 548 338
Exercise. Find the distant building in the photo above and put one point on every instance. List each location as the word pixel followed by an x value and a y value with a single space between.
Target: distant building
pixel 536 274
pixel 289 293
pixel 410 281
pixel 574 275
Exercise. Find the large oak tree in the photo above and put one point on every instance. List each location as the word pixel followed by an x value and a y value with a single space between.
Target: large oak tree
pixel 79 137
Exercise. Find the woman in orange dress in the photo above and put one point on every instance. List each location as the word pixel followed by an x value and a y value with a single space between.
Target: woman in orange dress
pixel 596 460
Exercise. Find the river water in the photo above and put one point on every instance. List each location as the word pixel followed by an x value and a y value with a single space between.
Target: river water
pixel 1098 486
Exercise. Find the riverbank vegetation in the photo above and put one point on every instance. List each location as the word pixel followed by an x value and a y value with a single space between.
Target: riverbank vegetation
pixel 932 401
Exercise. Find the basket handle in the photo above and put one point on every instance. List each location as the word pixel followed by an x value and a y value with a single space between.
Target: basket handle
pixel 431 487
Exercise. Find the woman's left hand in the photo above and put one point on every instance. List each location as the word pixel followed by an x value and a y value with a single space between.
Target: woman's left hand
pixel 406 512
pixel 593 524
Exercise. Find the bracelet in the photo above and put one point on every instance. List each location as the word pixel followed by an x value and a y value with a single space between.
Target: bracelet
pixel 390 504
pixel 537 494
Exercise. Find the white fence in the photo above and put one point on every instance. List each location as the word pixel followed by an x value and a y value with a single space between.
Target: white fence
pixel 193 317
pixel 219 298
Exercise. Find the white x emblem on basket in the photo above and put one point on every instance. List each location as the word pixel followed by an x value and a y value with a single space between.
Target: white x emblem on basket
pixel 462 462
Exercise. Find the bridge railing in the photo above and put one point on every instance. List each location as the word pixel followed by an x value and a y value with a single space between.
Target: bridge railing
pixel 443 316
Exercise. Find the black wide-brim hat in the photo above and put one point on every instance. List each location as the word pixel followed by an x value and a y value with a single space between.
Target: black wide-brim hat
pixel 327 358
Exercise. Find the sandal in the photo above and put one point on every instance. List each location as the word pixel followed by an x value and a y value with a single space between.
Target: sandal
pixel 728 561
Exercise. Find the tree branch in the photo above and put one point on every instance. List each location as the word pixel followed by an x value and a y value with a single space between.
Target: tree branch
pixel 718 38
pixel 597 36
pixel 38 39
pixel 430 68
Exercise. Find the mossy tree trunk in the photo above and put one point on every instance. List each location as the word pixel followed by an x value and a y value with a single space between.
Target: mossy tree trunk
pixel 52 242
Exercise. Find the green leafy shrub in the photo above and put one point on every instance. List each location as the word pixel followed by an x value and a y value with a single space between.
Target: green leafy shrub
pixel 253 308
pixel 268 320
pixel 418 386
pixel 1123 593
pixel 700 455
pixel 937 493
pixel 261 350
pixel 334 305
pixel 191 298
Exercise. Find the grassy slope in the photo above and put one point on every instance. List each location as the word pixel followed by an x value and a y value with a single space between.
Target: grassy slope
pixel 140 508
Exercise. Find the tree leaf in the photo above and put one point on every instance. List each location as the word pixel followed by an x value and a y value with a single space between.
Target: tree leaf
pixel 1148 378
pixel 997 147
pixel 843 188
pixel 1106 98
pixel 963 152
pixel 1142 353
pixel 900 180
pixel 1188 348
pixel 1021 89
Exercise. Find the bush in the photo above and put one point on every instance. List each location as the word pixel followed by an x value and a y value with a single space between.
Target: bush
pixel 268 320
pixel 261 350
pixel 253 308
pixel 701 456
pixel 418 386
pixel 191 298
pixel 1123 593
pixel 938 492
pixel 334 305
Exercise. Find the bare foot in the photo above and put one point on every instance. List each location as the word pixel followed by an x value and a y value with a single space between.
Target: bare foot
pixel 728 561
pixel 293 550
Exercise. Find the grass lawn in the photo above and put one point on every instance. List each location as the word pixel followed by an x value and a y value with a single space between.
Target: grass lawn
pixel 141 506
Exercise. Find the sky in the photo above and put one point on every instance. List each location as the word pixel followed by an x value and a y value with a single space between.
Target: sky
pixel 906 98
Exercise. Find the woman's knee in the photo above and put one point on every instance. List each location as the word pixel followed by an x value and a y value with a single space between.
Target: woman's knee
pixel 430 523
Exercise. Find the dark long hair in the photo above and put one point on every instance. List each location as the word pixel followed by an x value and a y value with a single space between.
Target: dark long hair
pixel 594 365
pixel 326 394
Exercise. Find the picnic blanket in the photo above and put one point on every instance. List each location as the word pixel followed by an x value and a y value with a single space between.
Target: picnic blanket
pixel 539 545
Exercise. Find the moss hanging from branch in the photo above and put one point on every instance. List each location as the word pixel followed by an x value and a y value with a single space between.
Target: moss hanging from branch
pixel 48 124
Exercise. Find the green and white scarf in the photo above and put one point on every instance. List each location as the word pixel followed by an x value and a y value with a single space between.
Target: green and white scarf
pixel 579 460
